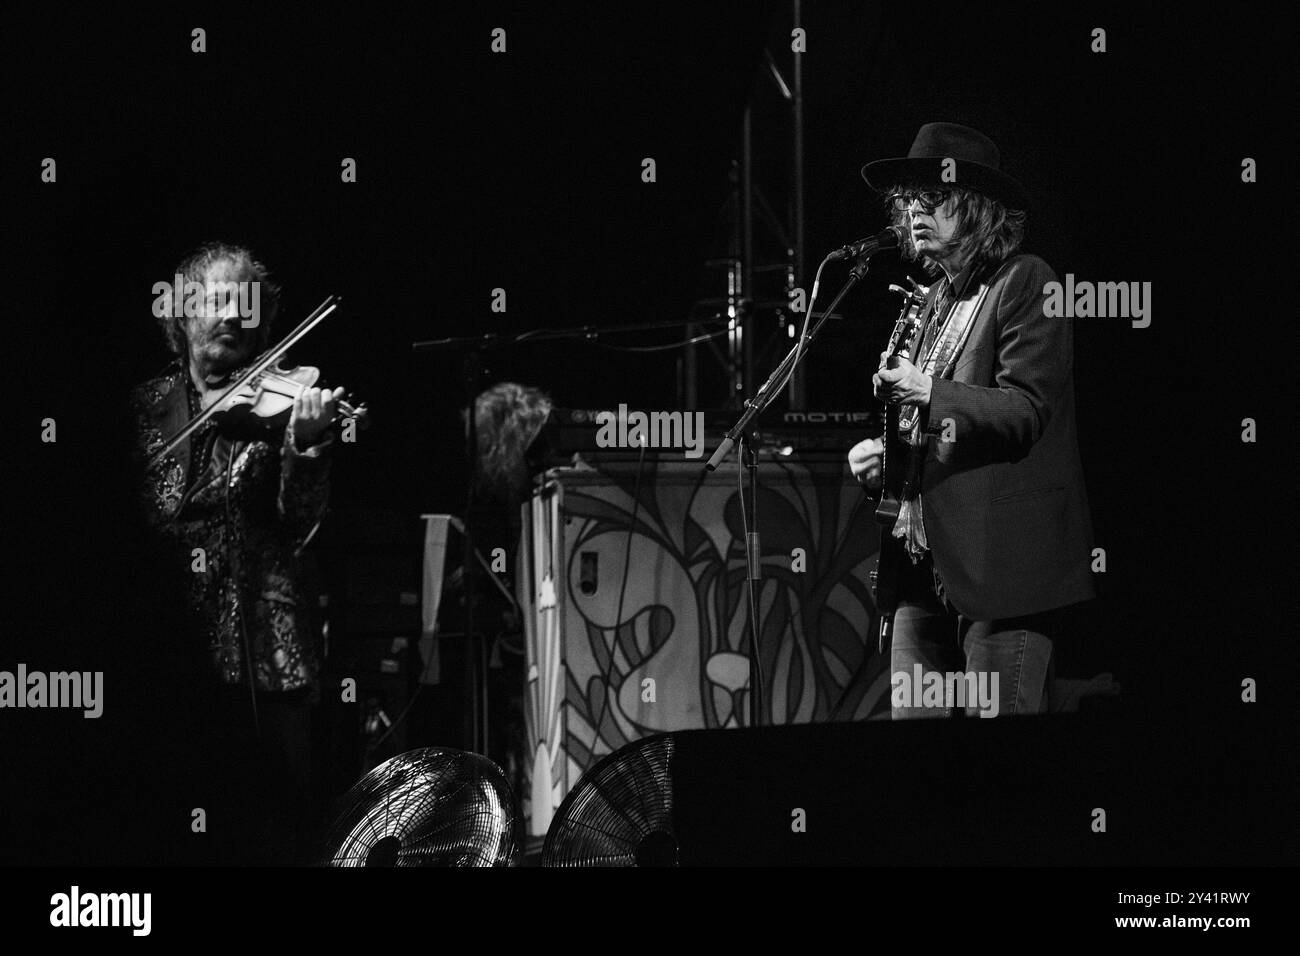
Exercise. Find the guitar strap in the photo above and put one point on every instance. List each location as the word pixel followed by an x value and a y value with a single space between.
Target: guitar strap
pixel 938 363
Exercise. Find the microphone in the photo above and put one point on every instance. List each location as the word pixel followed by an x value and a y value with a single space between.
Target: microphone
pixel 887 239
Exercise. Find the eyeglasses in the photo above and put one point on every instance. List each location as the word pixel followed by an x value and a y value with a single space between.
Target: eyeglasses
pixel 931 199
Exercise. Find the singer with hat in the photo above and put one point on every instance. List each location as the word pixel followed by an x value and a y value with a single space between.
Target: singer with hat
pixel 995 527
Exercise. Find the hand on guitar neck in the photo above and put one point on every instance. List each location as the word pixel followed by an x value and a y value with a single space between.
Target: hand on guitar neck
pixel 904 384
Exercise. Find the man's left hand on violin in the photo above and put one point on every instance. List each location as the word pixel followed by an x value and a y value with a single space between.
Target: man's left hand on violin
pixel 313 413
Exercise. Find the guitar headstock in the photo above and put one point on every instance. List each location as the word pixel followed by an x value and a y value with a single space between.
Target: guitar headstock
pixel 909 320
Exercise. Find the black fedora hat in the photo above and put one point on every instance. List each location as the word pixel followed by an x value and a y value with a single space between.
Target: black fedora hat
pixel 976 168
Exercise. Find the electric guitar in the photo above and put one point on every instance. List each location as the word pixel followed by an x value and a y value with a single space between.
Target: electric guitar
pixel 894 464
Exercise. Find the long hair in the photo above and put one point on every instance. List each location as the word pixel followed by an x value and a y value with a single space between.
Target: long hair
pixel 507 417
pixel 195 266
pixel 991 230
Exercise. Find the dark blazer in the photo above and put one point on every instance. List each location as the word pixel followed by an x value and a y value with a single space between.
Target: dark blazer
pixel 1004 504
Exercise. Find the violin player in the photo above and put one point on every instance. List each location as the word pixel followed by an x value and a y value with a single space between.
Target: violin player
pixel 249 505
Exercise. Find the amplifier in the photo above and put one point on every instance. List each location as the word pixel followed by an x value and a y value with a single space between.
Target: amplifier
pixel 632 583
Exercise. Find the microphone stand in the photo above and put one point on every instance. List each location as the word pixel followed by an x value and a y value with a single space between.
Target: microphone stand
pixel 744 431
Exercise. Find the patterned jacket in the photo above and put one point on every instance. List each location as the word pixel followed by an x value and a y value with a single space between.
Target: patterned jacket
pixel 249 506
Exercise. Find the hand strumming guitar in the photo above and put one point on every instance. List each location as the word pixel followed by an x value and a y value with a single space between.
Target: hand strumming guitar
pixel 865 461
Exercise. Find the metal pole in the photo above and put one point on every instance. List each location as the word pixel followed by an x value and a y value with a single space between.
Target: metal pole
pixel 798 384
pixel 735 246
pixel 747 323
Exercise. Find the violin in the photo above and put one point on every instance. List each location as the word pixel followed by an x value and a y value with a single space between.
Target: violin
pixel 261 408
pixel 259 400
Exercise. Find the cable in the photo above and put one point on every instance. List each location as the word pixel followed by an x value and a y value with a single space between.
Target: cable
pixel 396 722
pixel 807 318
pixel 662 348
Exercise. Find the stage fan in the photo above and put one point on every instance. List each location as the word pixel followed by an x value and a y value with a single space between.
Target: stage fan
pixel 620 813
pixel 429 807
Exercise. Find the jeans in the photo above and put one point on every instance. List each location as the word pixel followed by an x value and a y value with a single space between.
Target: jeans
pixel 1007 664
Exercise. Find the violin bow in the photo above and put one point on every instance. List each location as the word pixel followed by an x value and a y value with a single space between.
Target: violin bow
pixel 263 362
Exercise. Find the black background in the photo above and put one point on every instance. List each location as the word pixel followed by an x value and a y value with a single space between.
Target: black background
pixel 522 171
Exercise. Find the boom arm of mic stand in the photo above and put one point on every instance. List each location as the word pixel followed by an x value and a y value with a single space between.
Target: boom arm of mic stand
pixel 781 374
